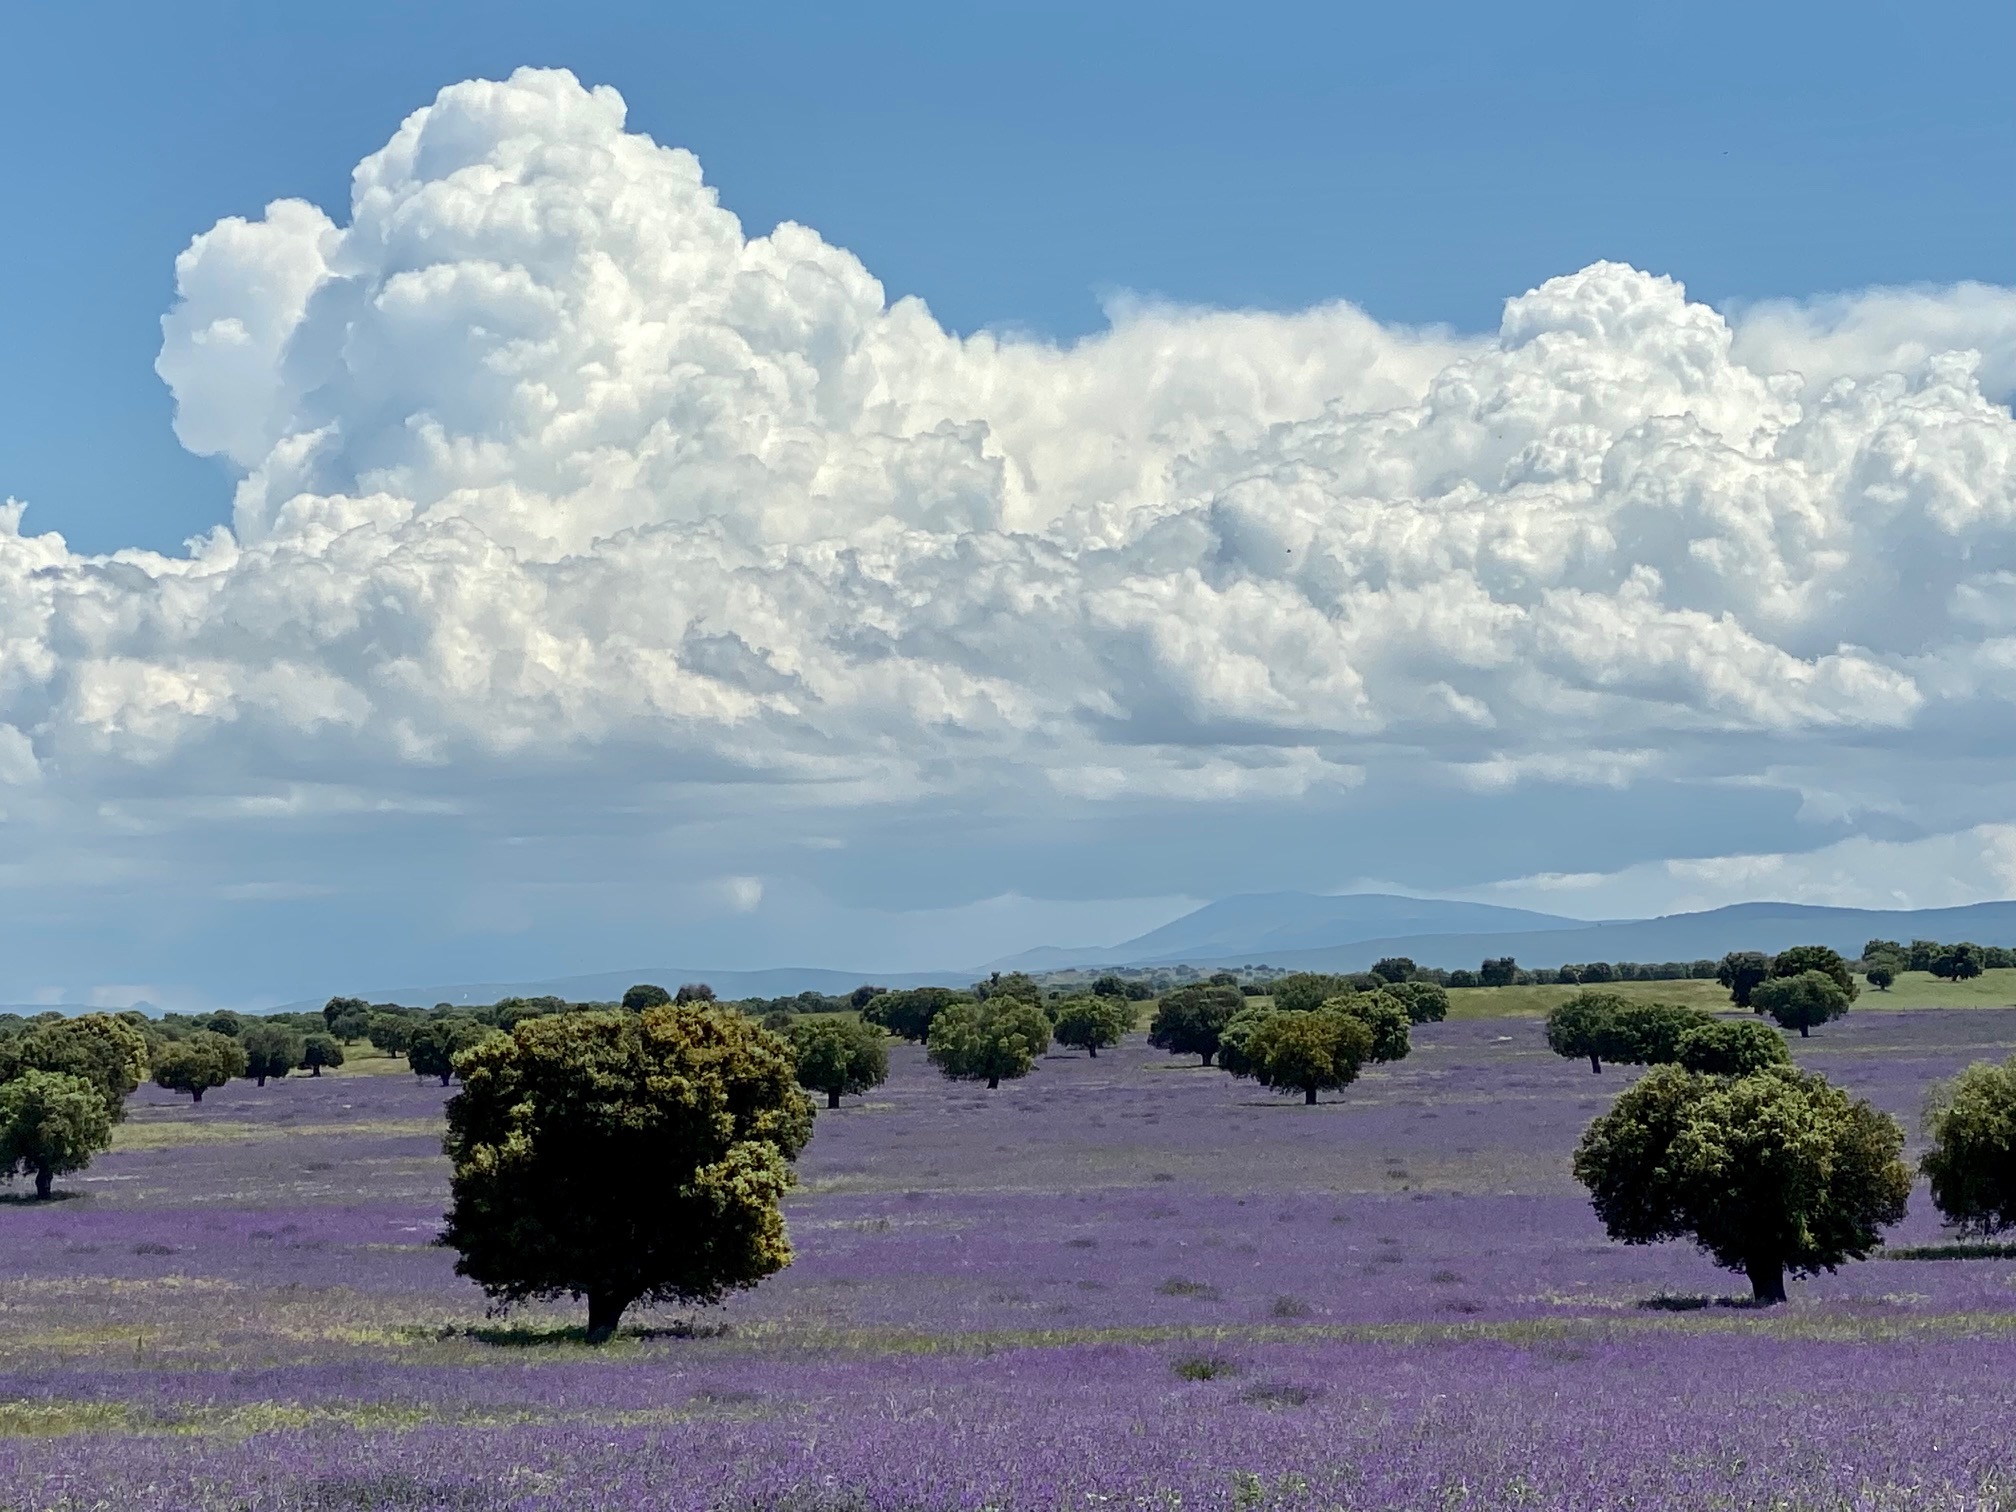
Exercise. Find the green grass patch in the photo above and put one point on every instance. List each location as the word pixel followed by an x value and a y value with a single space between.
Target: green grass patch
pixel 1959 1249
pixel 1914 989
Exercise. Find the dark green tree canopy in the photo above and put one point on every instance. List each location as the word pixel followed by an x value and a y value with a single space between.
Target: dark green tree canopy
pixel 624 1157
pixel 838 1056
pixel 863 995
pixel 1235 1038
pixel 1426 1002
pixel 1394 969
pixel 319 1051
pixel 1881 975
pixel 389 1032
pixel 1385 1019
pixel 1092 1023
pixel 992 1041
pixel 1730 1047
pixel 431 1046
pixel 105 1050
pixel 1770 1172
pixel 1648 1034
pixel 51 1123
pixel 1740 971
pixel 1189 1020
pixel 1306 990
pixel 1972 1162
pixel 908 1015
pixel 203 1060
pixel 1801 1002
pixel 1580 1027
pixel 693 992
pixel 646 995
pixel 1013 984
pixel 1958 963
pixel 270 1050
pixel 1804 958
pixel 1306 1052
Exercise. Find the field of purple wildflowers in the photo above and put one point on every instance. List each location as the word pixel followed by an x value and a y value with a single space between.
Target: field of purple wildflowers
pixel 1123 1282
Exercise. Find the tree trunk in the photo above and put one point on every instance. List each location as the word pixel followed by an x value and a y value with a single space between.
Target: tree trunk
pixel 197 1094
pixel 43 1176
pixel 1093 1051
pixel 1767 1281
pixel 1309 1096
pixel 1595 1066
pixel 1205 1058
pixel 444 1077
pixel 1804 1032
pixel 260 1078
pixel 993 1082
pixel 315 1070
pixel 605 1311
pixel 832 1098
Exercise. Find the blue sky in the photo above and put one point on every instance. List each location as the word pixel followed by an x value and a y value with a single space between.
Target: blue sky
pixel 1049 173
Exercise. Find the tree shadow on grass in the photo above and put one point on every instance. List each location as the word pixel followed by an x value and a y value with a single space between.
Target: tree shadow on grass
pixel 30 1200
pixel 544 1336
pixel 1695 1302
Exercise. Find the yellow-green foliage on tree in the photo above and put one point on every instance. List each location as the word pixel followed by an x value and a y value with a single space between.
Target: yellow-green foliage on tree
pixel 106 1051
pixel 1775 1171
pixel 1093 1023
pixel 837 1056
pixel 1972 1162
pixel 992 1041
pixel 51 1123
pixel 1308 1052
pixel 194 1065
pixel 624 1158
pixel 1384 1015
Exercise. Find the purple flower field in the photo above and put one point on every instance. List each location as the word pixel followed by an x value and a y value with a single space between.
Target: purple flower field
pixel 1123 1282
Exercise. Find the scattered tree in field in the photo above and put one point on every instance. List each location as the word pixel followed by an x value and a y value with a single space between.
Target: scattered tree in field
pixel 1957 963
pixel 908 1015
pixel 269 1050
pixel 1109 986
pixel 1972 1162
pixel 1499 971
pixel 1920 954
pixel 1426 1002
pixel 318 1051
pixel 1648 1034
pixel 837 1057
pixel 346 1018
pixel 1884 949
pixel 1804 958
pixel 624 1157
pixel 1307 990
pixel 1800 1002
pixel 1237 1035
pixel 389 1032
pixel 1014 984
pixel 1770 1172
pixel 433 1044
pixel 1189 1020
pixel 194 1065
pixel 104 1049
pixel 1385 1019
pixel 1091 1023
pixel 777 1021
pixel 1580 1028
pixel 693 992
pixel 646 995
pixel 1307 1052
pixel 863 995
pixel 1730 1047
pixel 991 1041
pixel 1881 976
pixel 1740 971
pixel 1394 969
pixel 50 1124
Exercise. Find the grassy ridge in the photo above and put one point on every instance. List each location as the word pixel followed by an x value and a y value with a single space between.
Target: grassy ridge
pixel 1914 989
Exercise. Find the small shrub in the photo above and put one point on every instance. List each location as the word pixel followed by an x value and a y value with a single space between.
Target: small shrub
pixel 1290 1307
pixel 1203 1367
pixel 1176 1286
pixel 1280 1394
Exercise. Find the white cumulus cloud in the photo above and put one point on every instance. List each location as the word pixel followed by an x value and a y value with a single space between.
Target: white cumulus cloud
pixel 548 466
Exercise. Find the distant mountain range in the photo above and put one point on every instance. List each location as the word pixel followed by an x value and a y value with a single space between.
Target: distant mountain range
pixel 1319 932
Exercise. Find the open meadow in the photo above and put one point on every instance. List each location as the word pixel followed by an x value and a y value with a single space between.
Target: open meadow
pixel 1121 1282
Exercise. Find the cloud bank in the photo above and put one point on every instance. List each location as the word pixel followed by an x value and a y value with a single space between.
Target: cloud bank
pixel 547 466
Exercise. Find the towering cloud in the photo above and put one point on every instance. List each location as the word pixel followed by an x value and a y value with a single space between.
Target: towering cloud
pixel 544 459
